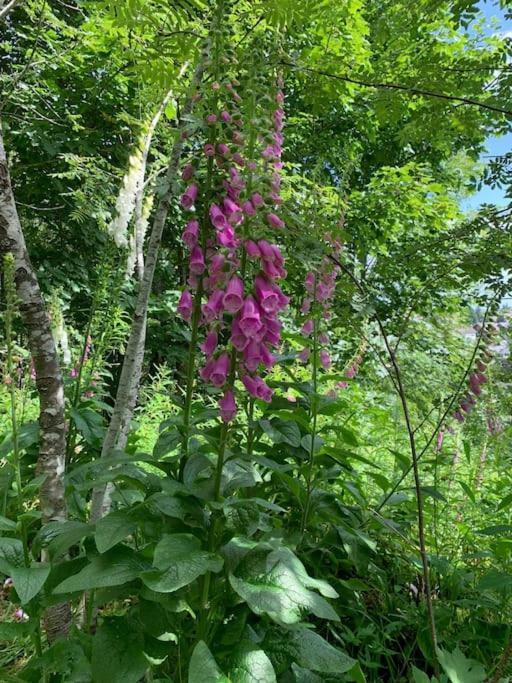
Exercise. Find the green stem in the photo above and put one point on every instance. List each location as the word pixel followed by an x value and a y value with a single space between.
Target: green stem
pixel 314 418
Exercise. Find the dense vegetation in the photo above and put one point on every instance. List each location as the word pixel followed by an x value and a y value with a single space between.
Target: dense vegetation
pixel 255 409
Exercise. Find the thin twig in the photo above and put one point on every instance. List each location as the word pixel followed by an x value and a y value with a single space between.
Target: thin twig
pixel 403 88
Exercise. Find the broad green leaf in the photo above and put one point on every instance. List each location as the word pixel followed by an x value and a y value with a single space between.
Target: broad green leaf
pixel 28 436
pixel 251 665
pixel 89 424
pixel 179 560
pixel 11 554
pixel 28 581
pixel 58 537
pixel 459 668
pixel 171 506
pixel 496 580
pixel 114 568
pixel 7 524
pixel 419 676
pixel 167 442
pixel 273 585
pixel 281 431
pixel 349 436
pixel 117 653
pixel 13 630
pixel 203 666
pixel 311 651
pixel 356 675
pixel 305 675
pixel 114 528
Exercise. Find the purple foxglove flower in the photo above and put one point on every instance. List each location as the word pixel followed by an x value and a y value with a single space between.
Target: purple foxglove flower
pixel 267 298
pixel 482 379
pixel 185 305
pixel 252 355
pixel 248 208
pixel 189 197
pixel 272 271
pixel 252 166
pixel 227 407
pixel 272 332
pixel 480 366
pixel 217 217
pixel 323 338
pixel 236 179
pixel 234 297
pixel 191 234
pixel 209 150
pixel 325 359
pixel 211 119
pixel 226 238
pixel 217 263
pixel 275 198
pixel 197 265
pixel 223 150
pixel 307 328
pixel 280 97
pixel 278 257
pixel 309 281
pixel 73 373
pixel 274 221
pixel 306 306
pixel 266 250
pixel 342 385
pixel 263 390
pixel 459 416
pixel 257 200
pixel 232 211
pixel 304 355
pixel 238 138
pixel 188 172
pixel 206 371
pixel 232 192
pixel 220 371
pixel 268 152
pixel 351 372
pixel 267 358
pixel 213 307
pixel 238 159
pixel 283 300
pixel 210 343
pixel 251 385
pixel 225 116
pixel 238 338
pixel 20 615
pixel 249 318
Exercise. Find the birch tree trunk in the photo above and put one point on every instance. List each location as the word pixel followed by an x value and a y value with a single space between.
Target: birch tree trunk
pixel 126 398
pixel 50 388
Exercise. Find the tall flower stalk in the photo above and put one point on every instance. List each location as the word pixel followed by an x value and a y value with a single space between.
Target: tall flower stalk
pixel 232 299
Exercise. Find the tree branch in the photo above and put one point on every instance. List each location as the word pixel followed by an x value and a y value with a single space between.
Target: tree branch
pixel 403 88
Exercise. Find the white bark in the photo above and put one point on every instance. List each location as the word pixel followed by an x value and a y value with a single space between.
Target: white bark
pixel 4 11
pixel 50 388
pixel 126 398
pixel 139 200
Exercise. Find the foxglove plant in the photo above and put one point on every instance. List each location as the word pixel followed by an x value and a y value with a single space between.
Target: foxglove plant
pixel 233 295
pixel 478 375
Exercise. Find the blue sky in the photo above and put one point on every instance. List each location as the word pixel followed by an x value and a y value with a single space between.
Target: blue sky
pixel 495 146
